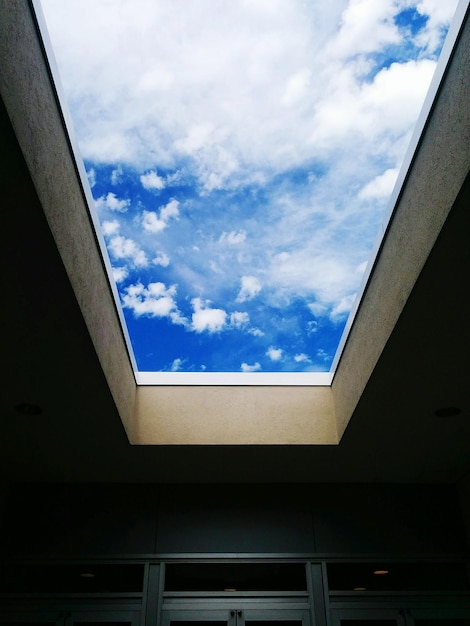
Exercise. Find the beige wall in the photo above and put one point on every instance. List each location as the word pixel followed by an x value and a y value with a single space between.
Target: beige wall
pixel 234 415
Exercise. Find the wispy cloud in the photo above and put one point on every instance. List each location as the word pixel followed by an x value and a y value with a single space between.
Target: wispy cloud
pixel 177 365
pixel 239 319
pixel 233 237
pixel 302 358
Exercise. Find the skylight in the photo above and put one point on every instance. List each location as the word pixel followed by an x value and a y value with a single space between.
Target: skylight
pixel 241 157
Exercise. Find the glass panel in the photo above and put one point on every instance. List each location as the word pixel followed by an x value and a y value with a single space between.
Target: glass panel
pixel 199 623
pixel 280 622
pixel 368 622
pixel 62 578
pixel 397 577
pixel 238 576
pixel 442 622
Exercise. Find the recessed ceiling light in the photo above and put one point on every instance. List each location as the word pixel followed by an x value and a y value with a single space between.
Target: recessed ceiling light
pixel 87 575
pixel 231 589
pixel 448 411
pixel 27 408
pixel 360 589
pixel 380 572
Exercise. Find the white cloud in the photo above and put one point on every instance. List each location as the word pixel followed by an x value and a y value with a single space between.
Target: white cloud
pixel 216 268
pixel 317 308
pixel 342 308
pixel 302 358
pixel 233 237
pixel 320 268
pixel 155 223
pixel 120 274
pixel 381 186
pixel 170 210
pixel 239 319
pixel 91 175
pixel 296 87
pixel 161 259
pixel 352 111
pixel 206 318
pixel 275 354
pixel 250 288
pixel 440 15
pixel 438 11
pixel 151 180
pixel 282 256
pixel 250 368
pixel 112 203
pixel 123 248
pixel 155 300
pixel 177 365
pixel 110 227
pixel 360 269
pixel 116 175
pixel 323 355
pixel 152 223
pixel 366 26
pixel 175 178
pixel 312 327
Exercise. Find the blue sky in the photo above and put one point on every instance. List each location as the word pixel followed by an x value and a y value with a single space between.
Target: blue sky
pixel 241 156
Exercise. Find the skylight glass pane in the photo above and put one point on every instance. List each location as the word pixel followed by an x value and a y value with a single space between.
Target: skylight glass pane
pixel 241 155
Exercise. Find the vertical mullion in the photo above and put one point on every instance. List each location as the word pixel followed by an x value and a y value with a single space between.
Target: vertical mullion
pixel 153 592
pixel 315 586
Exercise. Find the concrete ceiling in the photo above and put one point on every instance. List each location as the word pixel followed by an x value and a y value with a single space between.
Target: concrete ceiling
pixel 50 361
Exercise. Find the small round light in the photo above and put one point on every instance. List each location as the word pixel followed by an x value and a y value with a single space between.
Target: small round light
pixel 448 411
pixel 230 589
pixel 380 572
pixel 360 589
pixel 87 575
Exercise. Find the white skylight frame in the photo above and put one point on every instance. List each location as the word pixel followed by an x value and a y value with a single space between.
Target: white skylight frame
pixel 249 378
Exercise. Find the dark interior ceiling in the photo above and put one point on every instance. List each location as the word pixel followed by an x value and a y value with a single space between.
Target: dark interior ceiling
pixel 49 360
